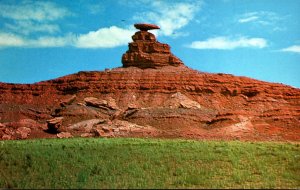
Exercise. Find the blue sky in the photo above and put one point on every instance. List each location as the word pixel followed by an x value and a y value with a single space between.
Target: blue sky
pixel 41 40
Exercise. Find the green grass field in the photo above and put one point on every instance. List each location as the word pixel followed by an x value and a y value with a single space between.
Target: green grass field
pixel 147 163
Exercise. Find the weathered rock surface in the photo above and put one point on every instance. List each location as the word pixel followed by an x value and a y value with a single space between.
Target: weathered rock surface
pixel 86 125
pixel 178 100
pixel 20 129
pixel 23 132
pixel 104 104
pixel 67 101
pixel 273 109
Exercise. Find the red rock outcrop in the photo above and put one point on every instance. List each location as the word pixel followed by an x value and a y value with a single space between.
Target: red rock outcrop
pixel 160 101
pixel 228 106
pixel 146 27
pixel 146 52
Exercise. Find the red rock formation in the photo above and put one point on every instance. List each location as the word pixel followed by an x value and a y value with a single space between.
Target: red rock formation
pixel 164 102
pixel 146 27
pixel 230 107
pixel 146 52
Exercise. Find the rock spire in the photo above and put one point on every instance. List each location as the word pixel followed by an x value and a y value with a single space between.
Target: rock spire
pixel 146 52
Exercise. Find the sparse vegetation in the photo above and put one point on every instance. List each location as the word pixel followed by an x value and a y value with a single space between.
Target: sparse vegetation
pixel 148 163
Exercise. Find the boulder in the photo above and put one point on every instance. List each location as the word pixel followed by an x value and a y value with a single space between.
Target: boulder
pixel 86 135
pixel 75 113
pixel 6 137
pixel 99 132
pixel 179 100
pixel 107 129
pixel 64 135
pixel 67 101
pixel 54 124
pixel 86 125
pixel 23 132
pixel 94 102
pixel 109 104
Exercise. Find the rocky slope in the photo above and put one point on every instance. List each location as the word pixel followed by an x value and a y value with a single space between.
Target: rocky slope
pixel 151 100
pixel 172 101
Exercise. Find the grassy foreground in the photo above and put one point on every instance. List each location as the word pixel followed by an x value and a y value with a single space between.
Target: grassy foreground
pixel 147 163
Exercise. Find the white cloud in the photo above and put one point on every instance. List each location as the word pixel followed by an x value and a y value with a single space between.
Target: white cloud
pixel 102 38
pixel 105 38
pixel 33 10
pixel 226 43
pixel 11 40
pixel 169 16
pixel 293 49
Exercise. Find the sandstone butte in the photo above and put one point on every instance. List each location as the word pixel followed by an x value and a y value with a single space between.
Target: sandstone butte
pixel 153 95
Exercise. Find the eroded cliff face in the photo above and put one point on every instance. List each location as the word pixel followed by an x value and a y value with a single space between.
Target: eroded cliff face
pixel 175 101
pixel 152 98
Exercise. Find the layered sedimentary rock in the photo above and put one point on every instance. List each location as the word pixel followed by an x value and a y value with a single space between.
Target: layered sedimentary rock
pixel 174 101
pixel 160 101
pixel 146 52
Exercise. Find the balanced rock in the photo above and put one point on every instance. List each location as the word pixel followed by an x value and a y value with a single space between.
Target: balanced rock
pixel 146 27
pixel 146 52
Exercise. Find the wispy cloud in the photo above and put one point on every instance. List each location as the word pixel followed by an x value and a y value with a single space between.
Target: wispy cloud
pixel 27 27
pixel 262 18
pixel 50 41
pixel 227 43
pixel 248 19
pixel 26 17
pixel 293 49
pixel 94 8
pixel 171 17
pixel 33 10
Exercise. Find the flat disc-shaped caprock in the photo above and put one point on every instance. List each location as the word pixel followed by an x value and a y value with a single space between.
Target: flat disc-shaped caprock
pixel 145 27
